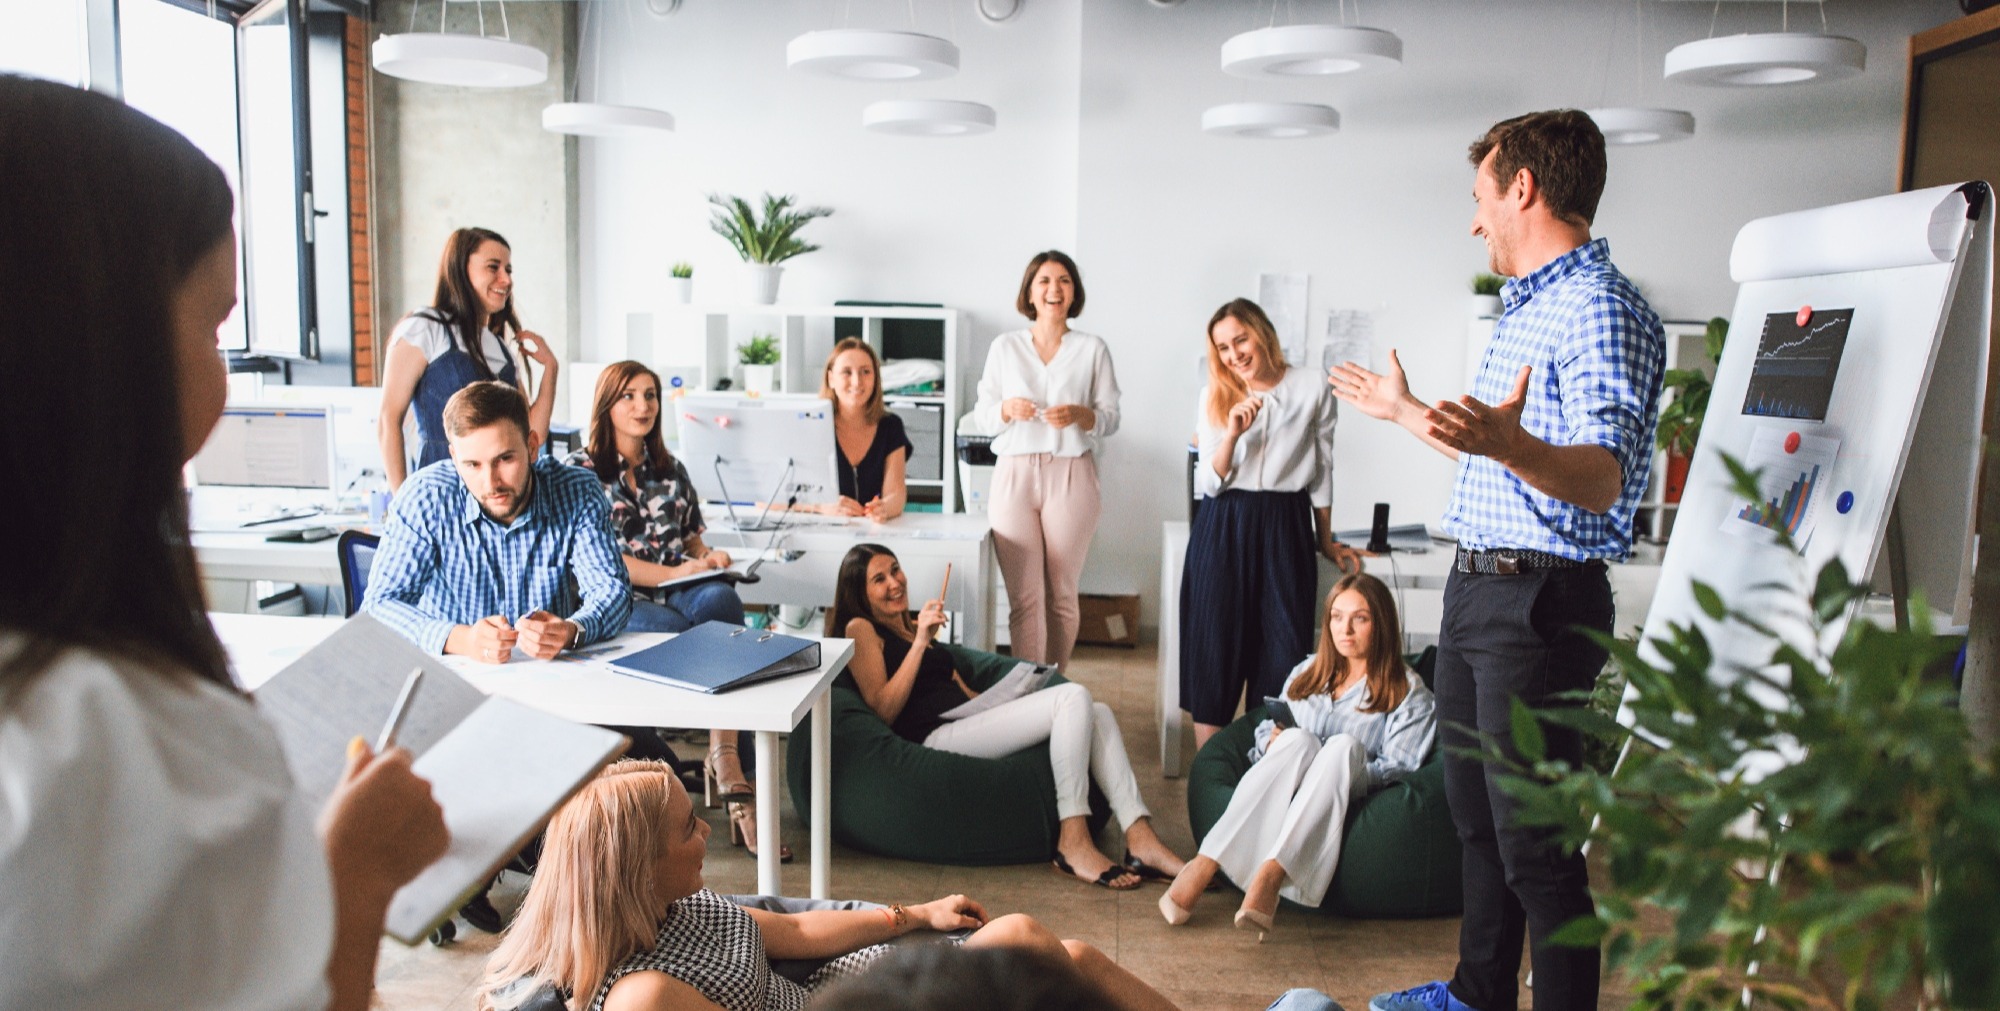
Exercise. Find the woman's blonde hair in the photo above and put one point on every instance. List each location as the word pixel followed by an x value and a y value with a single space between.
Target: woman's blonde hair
pixel 593 901
pixel 875 409
pixel 1225 388
pixel 1388 682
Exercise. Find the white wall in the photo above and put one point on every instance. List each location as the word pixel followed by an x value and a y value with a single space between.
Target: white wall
pixel 1099 152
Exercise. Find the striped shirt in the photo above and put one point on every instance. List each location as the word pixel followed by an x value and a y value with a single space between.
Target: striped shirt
pixel 1397 741
pixel 443 562
pixel 1599 355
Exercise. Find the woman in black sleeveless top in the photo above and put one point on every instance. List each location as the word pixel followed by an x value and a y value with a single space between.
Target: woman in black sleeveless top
pixel 910 682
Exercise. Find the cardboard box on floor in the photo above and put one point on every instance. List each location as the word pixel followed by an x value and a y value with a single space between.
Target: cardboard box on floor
pixel 1108 619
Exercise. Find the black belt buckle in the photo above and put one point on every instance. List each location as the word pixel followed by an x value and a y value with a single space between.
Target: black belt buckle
pixel 1507 565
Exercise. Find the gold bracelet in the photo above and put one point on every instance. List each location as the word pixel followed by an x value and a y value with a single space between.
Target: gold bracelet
pixel 899 916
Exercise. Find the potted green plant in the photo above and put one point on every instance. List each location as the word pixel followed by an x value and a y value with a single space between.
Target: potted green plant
pixel 1486 293
pixel 759 356
pixel 1856 872
pixel 764 241
pixel 1680 419
pixel 681 281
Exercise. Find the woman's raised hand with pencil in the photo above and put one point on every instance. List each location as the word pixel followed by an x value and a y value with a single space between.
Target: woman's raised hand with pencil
pixel 931 618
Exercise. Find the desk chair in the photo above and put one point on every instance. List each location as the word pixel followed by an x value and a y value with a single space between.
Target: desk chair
pixel 357 555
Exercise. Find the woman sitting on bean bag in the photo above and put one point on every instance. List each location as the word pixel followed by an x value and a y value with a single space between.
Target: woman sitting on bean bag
pixel 1362 720
pixel 910 682
pixel 617 919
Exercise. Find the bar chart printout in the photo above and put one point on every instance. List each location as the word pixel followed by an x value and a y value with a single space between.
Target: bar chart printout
pixel 1793 469
pixel 1796 365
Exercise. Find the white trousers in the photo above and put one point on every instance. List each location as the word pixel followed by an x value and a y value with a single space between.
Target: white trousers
pixel 1084 744
pixel 1291 807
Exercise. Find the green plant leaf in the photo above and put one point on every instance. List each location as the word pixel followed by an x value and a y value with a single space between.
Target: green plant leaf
pixel 1528 739
pixel 1709 601
pixel 1582 932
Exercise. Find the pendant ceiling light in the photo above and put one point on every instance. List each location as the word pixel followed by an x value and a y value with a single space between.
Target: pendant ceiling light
pixel 468 61
pixel 928 117
pixel 1768 58
pixel 1311 51
pixel 603 119
pixel 866 55
pixel 1270 120
pixel 1627 125
pixel 598 119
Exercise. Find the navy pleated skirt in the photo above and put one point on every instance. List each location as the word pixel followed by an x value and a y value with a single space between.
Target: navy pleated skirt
pixel 1247 608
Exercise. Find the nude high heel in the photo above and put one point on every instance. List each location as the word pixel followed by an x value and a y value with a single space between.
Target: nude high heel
pixel 1173 912
pixel 1247 918
pixel 716 791
pixel 743 831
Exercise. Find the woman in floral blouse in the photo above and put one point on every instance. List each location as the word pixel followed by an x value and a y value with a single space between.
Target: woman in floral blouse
pixel 656 519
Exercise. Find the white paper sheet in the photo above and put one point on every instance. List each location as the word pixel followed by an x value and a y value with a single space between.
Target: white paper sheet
pixel 1899 230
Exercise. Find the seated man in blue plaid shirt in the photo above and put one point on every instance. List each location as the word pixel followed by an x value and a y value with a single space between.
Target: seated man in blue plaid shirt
pixel 1554 450
pixel 497 550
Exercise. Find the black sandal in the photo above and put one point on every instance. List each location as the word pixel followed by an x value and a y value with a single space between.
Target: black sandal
pixel 1148 872
pixel 1104 880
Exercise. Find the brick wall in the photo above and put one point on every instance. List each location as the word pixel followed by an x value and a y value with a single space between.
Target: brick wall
pixel 358 203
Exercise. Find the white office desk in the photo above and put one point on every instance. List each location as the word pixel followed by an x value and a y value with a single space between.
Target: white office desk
pixel 923 542
pixel 231 562
pixel 259 646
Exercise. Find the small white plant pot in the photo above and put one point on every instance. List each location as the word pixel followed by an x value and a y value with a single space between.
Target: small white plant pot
pixel 1486 305
pixel 759 378
pixel 764 282
pixel 682 288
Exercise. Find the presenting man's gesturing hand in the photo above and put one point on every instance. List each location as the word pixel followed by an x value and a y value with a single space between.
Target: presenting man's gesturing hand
pixel 1472 427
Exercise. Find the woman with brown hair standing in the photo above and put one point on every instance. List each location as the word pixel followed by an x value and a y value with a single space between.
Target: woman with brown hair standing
pixel 460 338
pixel 1049 396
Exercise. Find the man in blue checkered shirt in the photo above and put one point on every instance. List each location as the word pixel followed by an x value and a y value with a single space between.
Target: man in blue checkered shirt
pixel 496 551
pixel 1553 449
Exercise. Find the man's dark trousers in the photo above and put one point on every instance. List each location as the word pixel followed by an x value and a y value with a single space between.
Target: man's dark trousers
pixel 1507 637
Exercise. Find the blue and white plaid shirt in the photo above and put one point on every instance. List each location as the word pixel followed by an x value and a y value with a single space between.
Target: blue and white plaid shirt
pixel 1598 354
pixel 443 562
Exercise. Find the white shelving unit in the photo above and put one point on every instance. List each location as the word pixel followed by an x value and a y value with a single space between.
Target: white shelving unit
pixel 1655 514
pixel 708 335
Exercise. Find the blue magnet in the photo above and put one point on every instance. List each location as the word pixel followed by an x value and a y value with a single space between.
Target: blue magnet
pixel 1844 503
pixel 676 382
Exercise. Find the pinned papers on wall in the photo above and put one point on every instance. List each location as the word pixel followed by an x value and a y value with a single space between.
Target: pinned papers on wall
pixel 1792 471
pixel 1283 299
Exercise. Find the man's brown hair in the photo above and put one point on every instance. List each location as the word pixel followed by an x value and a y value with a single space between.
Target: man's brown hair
pixel 1562 149
pixel 481 404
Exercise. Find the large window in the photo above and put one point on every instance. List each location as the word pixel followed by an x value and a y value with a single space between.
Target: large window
pixel 178 66
pixel 276 185
pixel 45 38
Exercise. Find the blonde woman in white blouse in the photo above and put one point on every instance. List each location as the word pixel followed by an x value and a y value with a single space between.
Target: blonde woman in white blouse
pixel 1049 393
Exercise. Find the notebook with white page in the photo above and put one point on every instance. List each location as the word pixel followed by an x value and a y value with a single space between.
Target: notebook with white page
pixel 496 767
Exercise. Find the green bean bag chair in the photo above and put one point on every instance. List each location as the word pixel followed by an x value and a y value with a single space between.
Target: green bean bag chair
pixel 897 798
pixel 1400 856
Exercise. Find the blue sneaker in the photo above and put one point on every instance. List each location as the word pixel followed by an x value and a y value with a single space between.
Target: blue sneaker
pixel 1433 996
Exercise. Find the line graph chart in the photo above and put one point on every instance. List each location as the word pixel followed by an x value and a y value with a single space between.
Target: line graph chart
pixel 1796 366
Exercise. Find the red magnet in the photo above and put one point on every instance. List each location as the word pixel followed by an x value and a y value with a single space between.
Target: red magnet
pixel 722 421
pixel 1805 315
pixel 1792 443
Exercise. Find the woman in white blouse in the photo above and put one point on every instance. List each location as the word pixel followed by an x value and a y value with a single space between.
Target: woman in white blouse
pixel 1362 721
pixel 153 852
pixel 1265 478
pixel 1050 395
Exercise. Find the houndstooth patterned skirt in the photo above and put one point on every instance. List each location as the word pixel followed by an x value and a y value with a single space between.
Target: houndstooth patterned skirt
pixel 711 944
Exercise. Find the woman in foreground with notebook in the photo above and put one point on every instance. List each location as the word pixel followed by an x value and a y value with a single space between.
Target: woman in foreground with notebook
pixel 910 682
pixel 618 919
pixel 153 849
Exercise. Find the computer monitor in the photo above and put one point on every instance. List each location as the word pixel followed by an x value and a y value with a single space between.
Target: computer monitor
pixel 775 449
pixel 269 446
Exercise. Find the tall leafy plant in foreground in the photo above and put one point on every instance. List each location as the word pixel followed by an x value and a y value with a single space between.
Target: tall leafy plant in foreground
pixel 1862 868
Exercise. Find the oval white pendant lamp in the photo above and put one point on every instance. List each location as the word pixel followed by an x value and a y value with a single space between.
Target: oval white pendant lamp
pixel 866 55
pixel 1311 51
pixel 1627 125
pixel 1765 59
pixel 928 117
pixel 467 61
pixel 1270 120
pixel 600 119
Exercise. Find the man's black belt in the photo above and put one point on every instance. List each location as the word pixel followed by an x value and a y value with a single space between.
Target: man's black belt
pixel 1514 561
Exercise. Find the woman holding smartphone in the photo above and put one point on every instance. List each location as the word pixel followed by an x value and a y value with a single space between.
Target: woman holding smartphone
pixel 910 682
pixel 1050 397
pixel 1361 721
